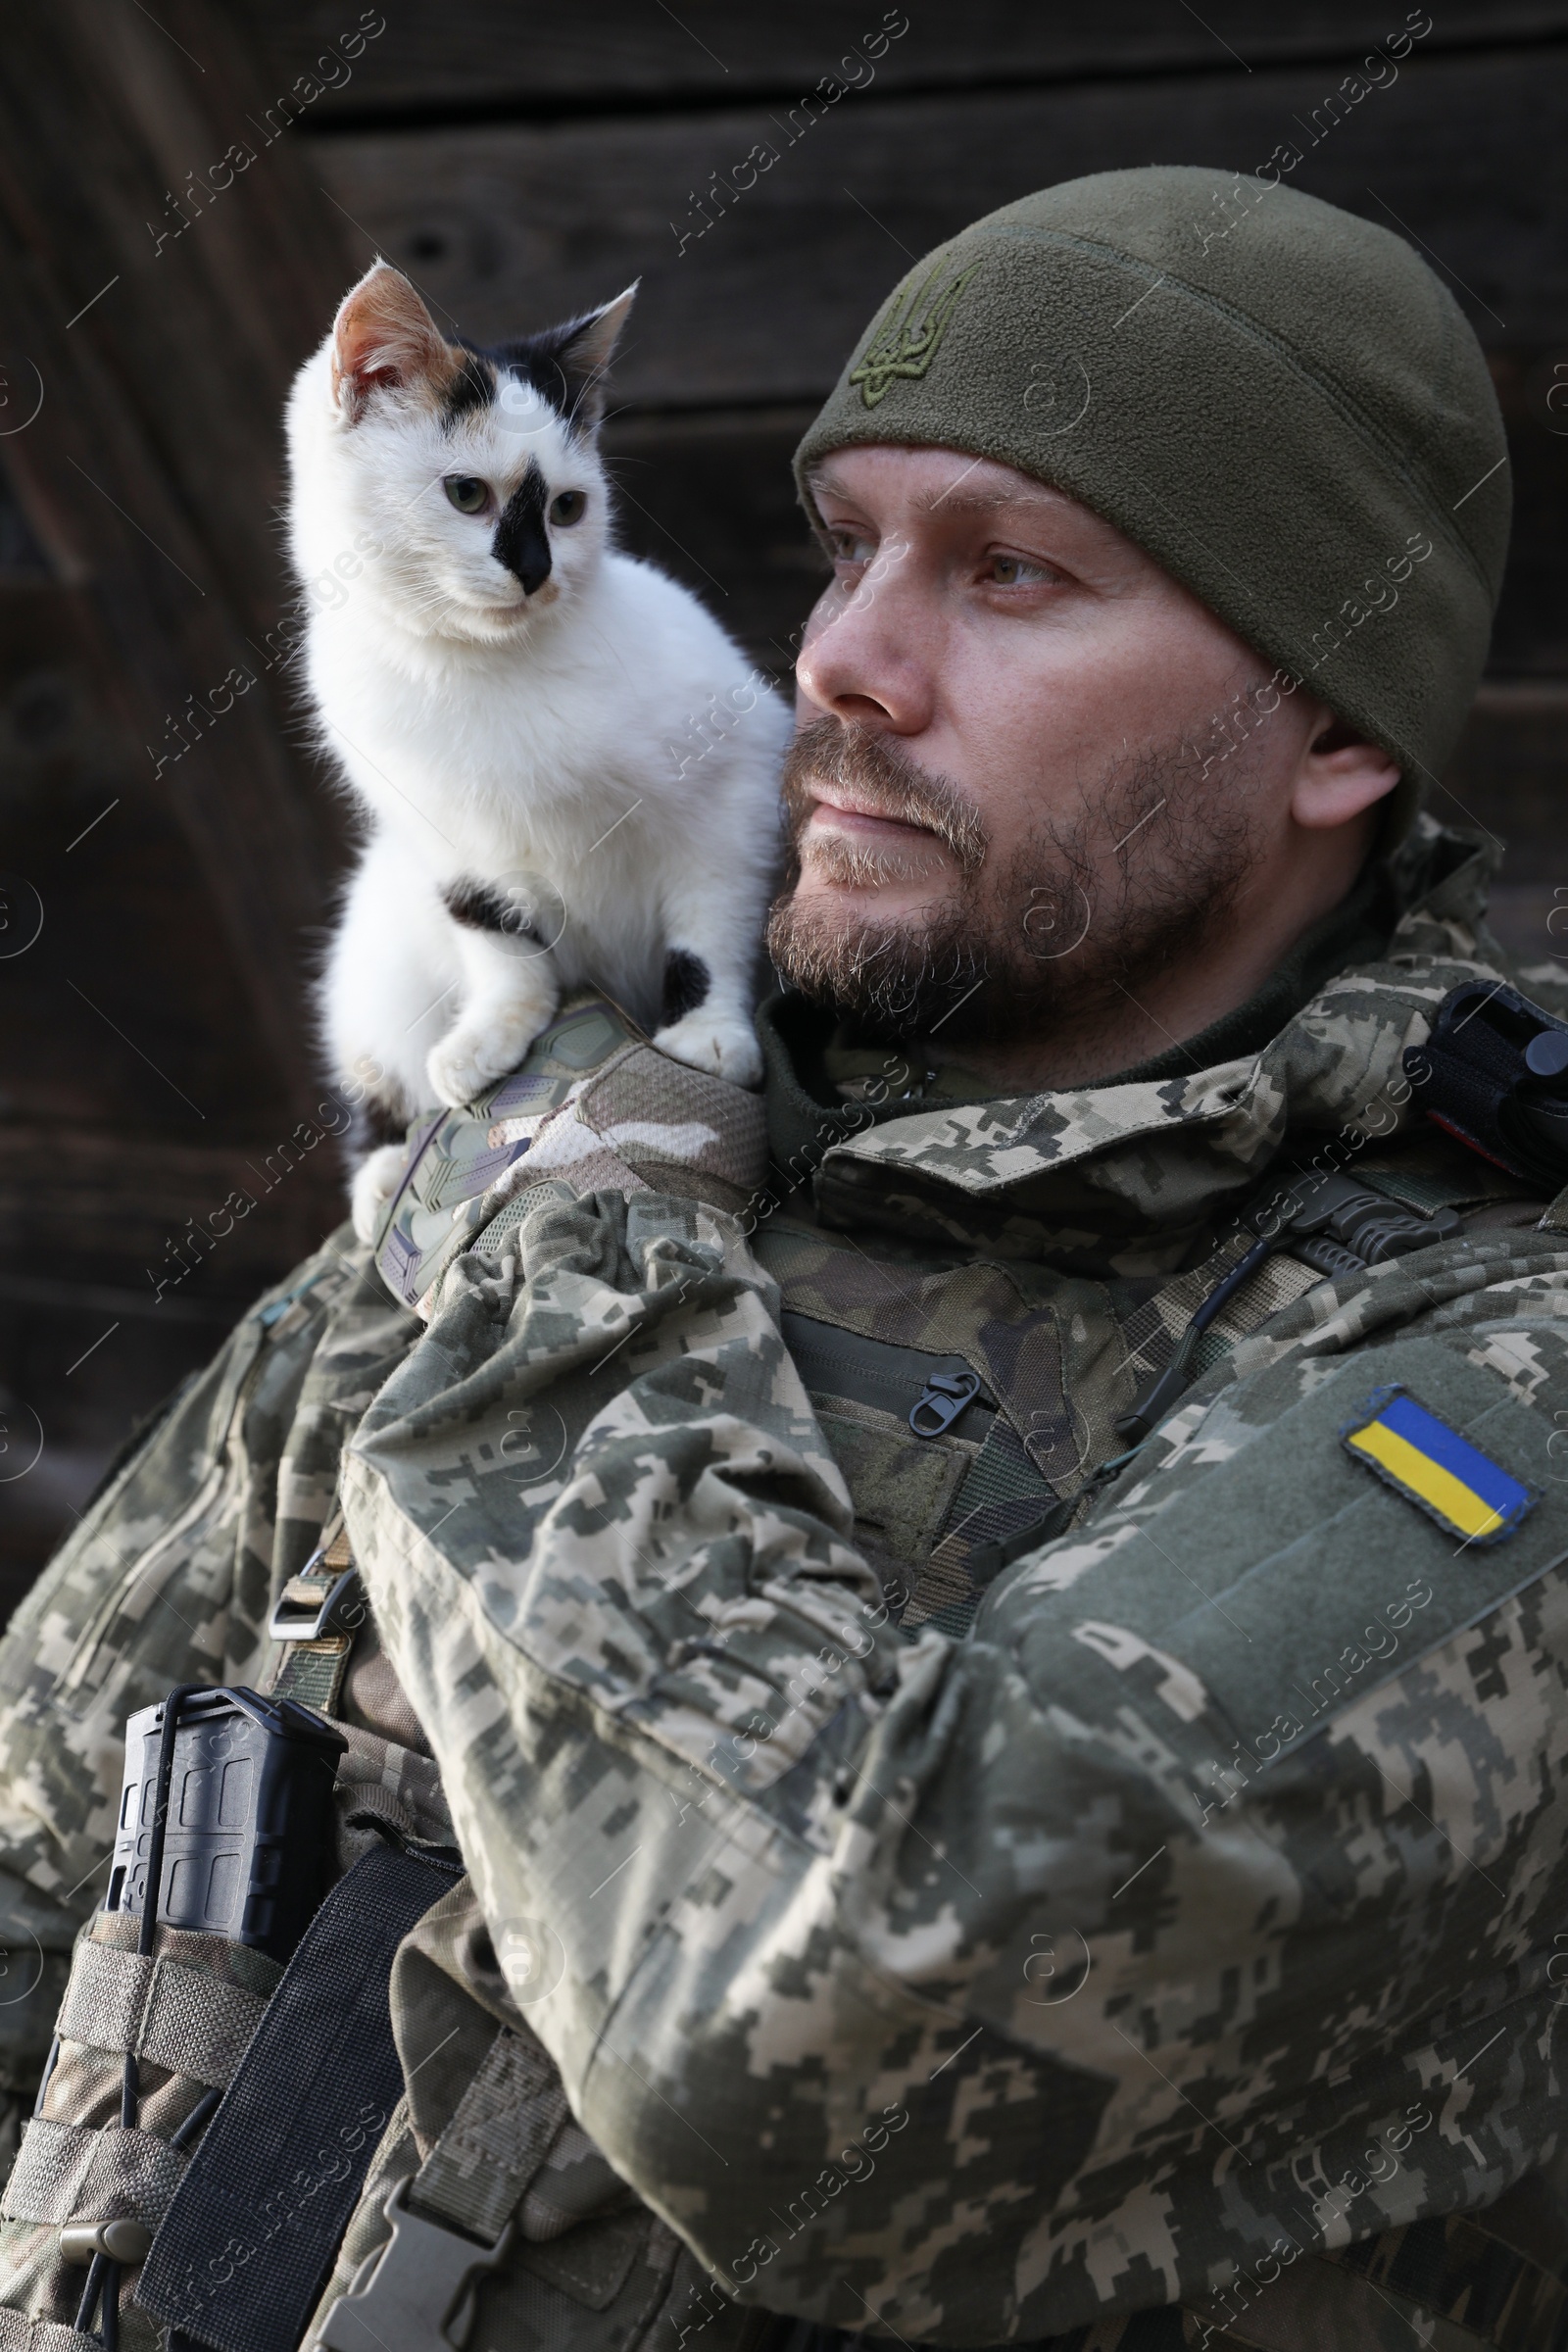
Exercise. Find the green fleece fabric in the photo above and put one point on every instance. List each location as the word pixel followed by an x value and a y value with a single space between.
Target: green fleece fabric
pixel 1280 402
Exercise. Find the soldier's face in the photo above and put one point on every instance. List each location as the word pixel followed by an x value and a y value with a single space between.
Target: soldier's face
pixel 997 798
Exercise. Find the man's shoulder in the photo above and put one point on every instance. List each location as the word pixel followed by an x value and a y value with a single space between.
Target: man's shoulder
pixel 592 1106
pixel 1378 1472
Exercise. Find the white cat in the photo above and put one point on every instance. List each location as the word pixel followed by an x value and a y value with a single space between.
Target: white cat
pixel 569 772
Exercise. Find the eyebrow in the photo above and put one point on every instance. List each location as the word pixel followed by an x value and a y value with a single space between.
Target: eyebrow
pixel 955 499
pixel 986 502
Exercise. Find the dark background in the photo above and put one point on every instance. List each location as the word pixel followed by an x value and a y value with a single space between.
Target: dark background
pixel 522 163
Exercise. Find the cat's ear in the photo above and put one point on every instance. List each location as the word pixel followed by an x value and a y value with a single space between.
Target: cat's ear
pixel 383 334
pixel 584 353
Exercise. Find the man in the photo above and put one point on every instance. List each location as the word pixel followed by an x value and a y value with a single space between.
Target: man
pixel 997 1680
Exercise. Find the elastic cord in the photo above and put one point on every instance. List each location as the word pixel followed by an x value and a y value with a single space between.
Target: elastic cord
pixel 193 2123
pixel 49 2065
pixel 104 2278
pixel 1228 1289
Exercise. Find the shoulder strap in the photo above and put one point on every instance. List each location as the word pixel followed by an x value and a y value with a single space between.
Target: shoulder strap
pixel 453 2220
pixel 317 1616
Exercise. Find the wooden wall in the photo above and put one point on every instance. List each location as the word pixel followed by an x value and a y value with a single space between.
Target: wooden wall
pixel 522 163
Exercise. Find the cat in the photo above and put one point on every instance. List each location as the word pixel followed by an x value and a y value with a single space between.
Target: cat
pixel 524 715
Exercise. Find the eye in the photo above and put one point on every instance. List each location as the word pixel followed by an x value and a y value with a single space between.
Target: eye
pixel 1017 571
pixel 851 545
pixel 569 507
pixel 468 493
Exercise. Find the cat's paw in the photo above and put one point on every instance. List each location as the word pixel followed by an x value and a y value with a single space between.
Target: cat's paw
pixel 375 1180
pixel 716 1043
pixel 480 1049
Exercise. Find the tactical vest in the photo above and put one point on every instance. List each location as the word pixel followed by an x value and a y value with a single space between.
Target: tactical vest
pixel 971 1403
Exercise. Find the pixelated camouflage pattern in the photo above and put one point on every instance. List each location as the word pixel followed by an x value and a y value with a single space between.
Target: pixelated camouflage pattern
pixel 961 1990
pixel 168 1578
pixel 966 1989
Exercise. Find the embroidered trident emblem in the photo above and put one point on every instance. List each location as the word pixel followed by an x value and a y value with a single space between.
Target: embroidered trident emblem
pixel 911 339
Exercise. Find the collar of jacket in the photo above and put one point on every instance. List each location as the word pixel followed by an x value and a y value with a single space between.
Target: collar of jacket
pixel 1124 1177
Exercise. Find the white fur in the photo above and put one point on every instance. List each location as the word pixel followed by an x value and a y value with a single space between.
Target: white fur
pixel 494 736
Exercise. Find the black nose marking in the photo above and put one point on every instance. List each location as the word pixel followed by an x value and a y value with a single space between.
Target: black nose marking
pixel 521 543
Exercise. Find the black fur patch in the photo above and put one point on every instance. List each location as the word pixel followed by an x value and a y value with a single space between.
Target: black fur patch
pixel 686 985
pixel 375 1121
pixel 521 543
pixel 480 907
pixel 553 361
pixel 472 387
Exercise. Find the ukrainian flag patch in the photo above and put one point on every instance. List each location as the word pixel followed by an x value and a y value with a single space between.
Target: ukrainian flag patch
pixel 1433 1466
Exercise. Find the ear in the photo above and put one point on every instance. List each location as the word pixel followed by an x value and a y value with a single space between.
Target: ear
pixel 1340 774
pixel 383 334
pixel 584 353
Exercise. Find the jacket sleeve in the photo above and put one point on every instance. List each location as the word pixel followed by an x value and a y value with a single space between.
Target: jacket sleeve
pixel 1196 1912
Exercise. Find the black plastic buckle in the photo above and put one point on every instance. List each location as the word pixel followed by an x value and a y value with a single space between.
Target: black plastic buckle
pixel 942 1400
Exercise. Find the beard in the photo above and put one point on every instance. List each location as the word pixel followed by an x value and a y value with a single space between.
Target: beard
pixel 1091 908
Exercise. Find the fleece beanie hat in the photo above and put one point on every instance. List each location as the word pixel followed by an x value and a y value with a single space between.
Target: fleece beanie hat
pixel 1276 400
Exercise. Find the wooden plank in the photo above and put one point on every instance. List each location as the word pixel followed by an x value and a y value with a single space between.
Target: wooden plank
pixel 91 1220
pixel 434 59
pixel 92 1380
pixel 1505 776
pixel 710 499
pixel 129 1006
pixel 128 1210
pixel 1531 635
pixel 505 229
pixel 151 472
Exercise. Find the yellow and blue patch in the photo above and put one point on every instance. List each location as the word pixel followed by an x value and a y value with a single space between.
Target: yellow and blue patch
pixel 1433 1466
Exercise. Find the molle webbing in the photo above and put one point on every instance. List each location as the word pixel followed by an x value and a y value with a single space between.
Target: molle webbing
pixel 67 2170
pixel 479 2170
pixel 1002 1495
pixel 181 2018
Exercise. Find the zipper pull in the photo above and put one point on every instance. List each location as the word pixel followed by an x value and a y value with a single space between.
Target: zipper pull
pixel 942 1400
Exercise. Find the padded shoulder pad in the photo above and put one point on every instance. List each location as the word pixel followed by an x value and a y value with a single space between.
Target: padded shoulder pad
pixel 594 1107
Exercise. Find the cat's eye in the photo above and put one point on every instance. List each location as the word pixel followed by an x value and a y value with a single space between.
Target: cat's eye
pixel 569 507
pixel 468 493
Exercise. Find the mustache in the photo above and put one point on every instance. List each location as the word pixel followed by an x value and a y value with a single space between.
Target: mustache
pixel 878 771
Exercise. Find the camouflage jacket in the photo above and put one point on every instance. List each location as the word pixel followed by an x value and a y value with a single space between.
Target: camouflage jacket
pixel 948 1947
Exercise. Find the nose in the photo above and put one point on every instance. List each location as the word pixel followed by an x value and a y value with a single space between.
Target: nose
pixel 866 655
pixel 521 542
